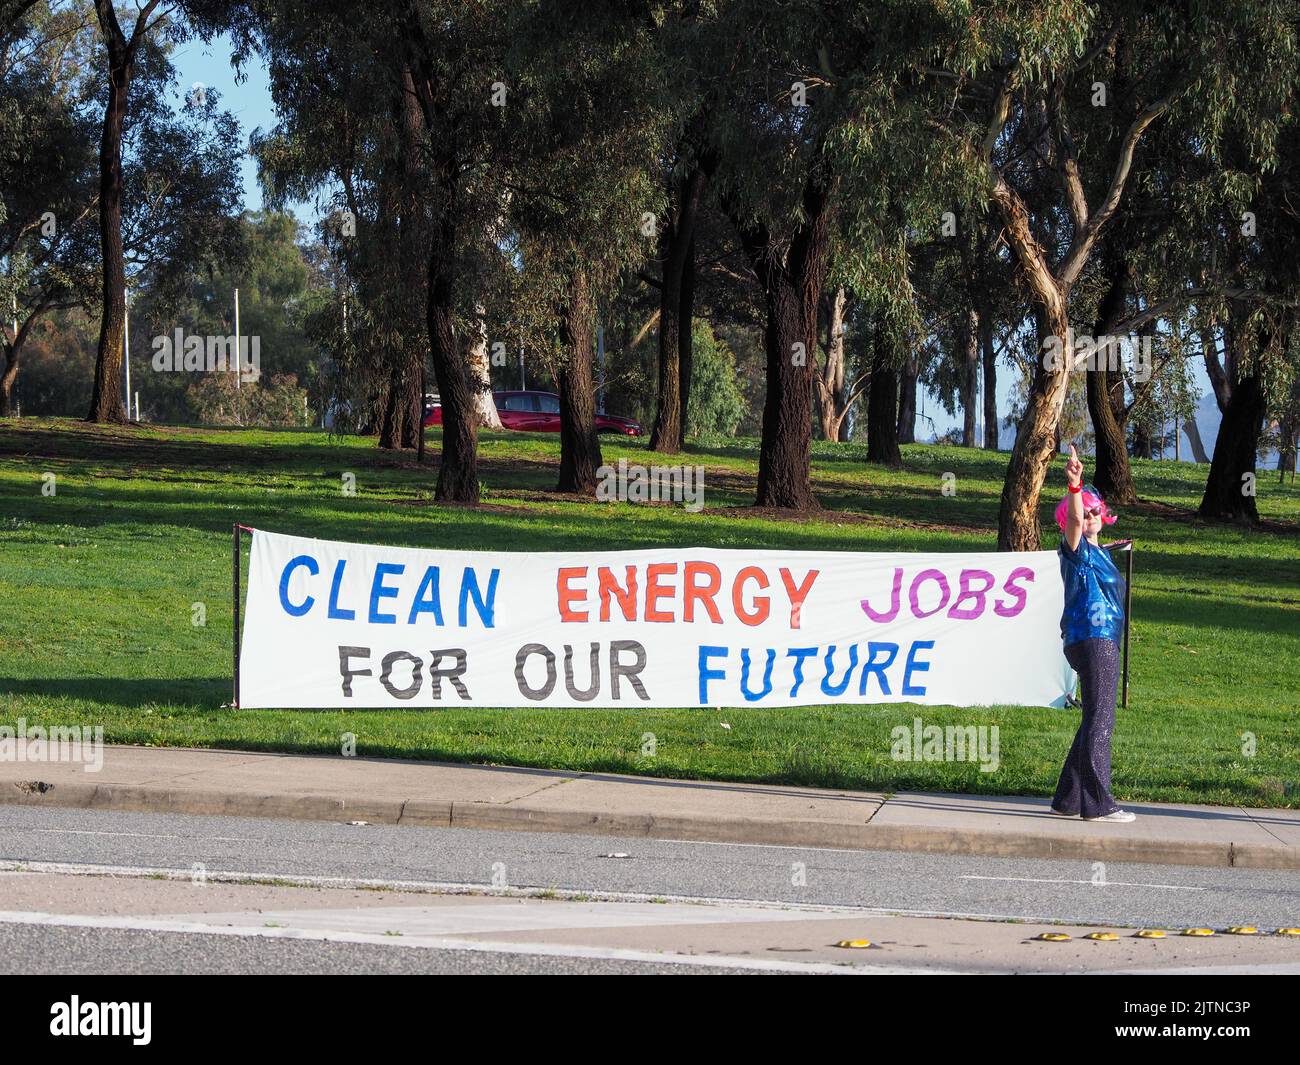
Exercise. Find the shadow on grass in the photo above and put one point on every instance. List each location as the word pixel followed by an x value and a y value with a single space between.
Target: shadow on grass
pixel 129 693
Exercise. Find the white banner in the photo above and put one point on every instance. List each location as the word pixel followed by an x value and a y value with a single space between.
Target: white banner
pixel 334 625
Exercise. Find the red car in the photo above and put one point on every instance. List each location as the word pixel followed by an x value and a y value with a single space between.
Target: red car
pixel 539 412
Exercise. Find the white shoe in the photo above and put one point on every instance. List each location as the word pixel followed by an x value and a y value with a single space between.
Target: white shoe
pixel 1116 815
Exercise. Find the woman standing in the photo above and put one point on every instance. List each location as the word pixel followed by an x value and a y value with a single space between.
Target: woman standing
pixel 1091 627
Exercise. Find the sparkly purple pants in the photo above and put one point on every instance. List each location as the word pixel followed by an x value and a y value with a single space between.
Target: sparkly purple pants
pixel 1084 787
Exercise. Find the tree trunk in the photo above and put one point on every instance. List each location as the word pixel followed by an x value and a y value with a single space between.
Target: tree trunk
pixel 1287 427
pixel 1220 379
pixel 398 426
pixel 480 373
pixel 785 451
pixel 458 466
pixel 106 401
pixel 1230 488
pixel 686 337
pixel 905 426
pixel 1142 444
pixel 10 376
pixel 1035 447
pixel 580 456
pixel 882 404
pixel 675 333
pixel 403 421
pixel 792 282
pixel 458 469
pixel 1194 438
pixel 990 383
pixel 831 390
pixel 1111 476
pixel 970 352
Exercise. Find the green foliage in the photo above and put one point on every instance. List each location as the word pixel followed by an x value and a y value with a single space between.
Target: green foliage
pixel 272 278
pixel 276 404
pixel 716 405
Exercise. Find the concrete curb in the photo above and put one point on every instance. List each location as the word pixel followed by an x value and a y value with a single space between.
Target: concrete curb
pixel 847 835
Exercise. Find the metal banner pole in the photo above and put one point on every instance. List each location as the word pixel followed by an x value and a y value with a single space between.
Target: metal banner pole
pixel 234 571
pixel 1127 547
pixel 1128 613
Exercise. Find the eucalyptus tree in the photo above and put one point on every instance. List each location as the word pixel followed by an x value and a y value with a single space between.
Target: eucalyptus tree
pixel 693 63
pixel 421 107
pixel 349 135
pixel 1261 334
pixel 818 142
pixel 452 56
pixel 966 302
pixel 1159 267
pixel 48 173
pixel 1014 93
pixel 588 123
pixel 168 184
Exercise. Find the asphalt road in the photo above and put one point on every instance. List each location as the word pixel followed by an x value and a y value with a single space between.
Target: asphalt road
pixel 787 904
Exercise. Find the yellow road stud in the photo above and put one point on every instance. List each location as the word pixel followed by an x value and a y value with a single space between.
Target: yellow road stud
pixel 1198 931
pixel 1288 931
pixel 1149 933
pixel 856 944
pixel 1242 930
pixel 1052 937
pixel 1102 936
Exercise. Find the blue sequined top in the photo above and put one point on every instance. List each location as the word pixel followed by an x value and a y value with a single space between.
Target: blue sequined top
pixel 1094 594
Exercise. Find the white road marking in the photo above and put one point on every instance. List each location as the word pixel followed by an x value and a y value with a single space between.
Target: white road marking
pixel 479 946
pixel 1104 883
pixel 453 888
pixel 503 915
pixel 143 835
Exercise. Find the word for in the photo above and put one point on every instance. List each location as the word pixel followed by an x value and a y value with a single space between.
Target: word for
pixel 402 673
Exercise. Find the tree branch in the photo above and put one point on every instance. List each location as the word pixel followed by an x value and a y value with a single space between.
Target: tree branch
pixel 1084 240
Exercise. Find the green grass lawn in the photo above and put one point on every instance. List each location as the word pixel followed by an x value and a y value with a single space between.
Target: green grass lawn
pixel 98 582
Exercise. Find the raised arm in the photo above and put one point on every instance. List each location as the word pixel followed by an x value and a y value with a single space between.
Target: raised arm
pixel 1074 514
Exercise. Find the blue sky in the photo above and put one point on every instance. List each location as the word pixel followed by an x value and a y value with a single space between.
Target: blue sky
pixel 250 102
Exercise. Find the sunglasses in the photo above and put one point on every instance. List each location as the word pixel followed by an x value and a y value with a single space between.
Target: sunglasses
pixel 1095 512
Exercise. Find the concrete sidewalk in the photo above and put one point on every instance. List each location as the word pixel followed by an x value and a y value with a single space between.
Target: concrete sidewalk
pixel 389 791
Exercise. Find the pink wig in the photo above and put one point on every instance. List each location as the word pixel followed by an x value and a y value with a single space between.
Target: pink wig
pixel 1090 501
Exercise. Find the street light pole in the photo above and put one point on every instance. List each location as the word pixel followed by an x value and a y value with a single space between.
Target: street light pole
pixel 126 346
